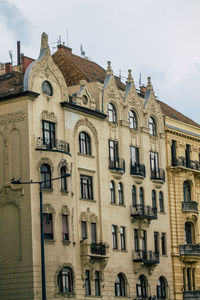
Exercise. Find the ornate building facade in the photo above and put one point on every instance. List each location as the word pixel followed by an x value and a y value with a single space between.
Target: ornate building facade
pixel 183 173
pixel 107 226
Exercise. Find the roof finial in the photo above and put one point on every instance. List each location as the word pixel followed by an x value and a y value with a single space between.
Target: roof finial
pixel 130 77
pixel 109 70
pixel 149 85
pixel 44 41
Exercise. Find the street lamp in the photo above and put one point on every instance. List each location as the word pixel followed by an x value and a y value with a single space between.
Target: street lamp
pixel 18 181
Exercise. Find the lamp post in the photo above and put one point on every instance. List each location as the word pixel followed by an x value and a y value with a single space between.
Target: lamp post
pixel 18 181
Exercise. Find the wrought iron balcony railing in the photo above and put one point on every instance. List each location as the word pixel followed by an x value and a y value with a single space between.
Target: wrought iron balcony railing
pixel 143 212
pixel 188 206
pixel 117 165
pixel 190 249
pixel 148 257
pixel 137 169
pixel 158 174
pixel 191 295
pixel 52 145
pixel 182 162
pixel 98 248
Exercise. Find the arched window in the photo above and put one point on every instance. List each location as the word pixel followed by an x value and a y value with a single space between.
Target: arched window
pixel 161 288
pixel 134 196
pixel 152 126
pixel 187 191
pixel 63 179
pixel 120 193
pixel 154 204
pixel 112 116
pixel 84 143
pixel 120 285
pixel 161 201
pixel 112 192
pixel 132 119
pixel 65 281
pixel 141 287
pixel 189 233
pixel 45 174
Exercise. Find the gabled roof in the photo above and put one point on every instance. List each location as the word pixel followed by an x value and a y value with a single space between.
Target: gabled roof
pixel 176 115
pixel 74 68
pixel 11 83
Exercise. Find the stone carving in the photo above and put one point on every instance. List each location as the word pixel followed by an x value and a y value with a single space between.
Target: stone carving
pixel 49 116
pixel 48 208
pixel 62 163
pixel 10 195
pixel 45 160
pixel 12 118
pixel 65 210
pixel 86 122
pixel 88 216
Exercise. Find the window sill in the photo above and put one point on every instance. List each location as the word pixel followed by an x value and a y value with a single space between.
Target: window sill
pixel 92 296
pixel 64 192
pixel 50 190
pixel 116 250
pixel 85 155
pixel 115 204
pixel 89 200
pixel 64 295
pixel 66 243
pixel 124 251
pixel 162 212
pixel 49 241
pixel 122 205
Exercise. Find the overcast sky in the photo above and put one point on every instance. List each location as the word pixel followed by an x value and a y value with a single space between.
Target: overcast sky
pixel 156 38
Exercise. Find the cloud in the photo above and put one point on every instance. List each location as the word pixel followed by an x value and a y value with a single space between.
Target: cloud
pixel 13 19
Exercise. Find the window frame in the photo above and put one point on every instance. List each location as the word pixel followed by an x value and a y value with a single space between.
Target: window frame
pixel 68 279
pixel 84 230
pixel 120 285
pixel 86 187
pixel 65 235
pixel 123 237
pixel 48 220
pixel 141 287
pixel 112 192
pixel 87 283
pixel 45 175
pixel 161 202
pixel 163 243
pixel 97 284
pixel 120 193
pixel 114 237
pixel 133 120
pixel 152 126
pixel 84 143
pixel 49 133
pixel 134 196
pixel 112 114
pixel 63 180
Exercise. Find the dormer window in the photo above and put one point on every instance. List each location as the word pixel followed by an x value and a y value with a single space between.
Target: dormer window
pixel 47 88
pixel 152 126
pixel 85 99
pixel 112 116
pixel 132 119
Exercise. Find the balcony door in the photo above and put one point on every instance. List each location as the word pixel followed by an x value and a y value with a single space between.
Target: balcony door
pixel 134 154
pixel 144 243
pixel 113 152
pixel 154 161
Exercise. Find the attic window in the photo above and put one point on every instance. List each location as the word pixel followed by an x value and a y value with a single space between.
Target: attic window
pixel 85 99
pixel 47 88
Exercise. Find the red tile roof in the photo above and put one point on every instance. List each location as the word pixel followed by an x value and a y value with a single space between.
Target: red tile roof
pixel 176 115
pixel 11 83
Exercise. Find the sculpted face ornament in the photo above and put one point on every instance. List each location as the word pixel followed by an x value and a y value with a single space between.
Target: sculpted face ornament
pixel 47 88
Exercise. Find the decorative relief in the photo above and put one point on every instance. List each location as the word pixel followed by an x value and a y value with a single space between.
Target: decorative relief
pixel 12 118
pixel 10 195
pixel 45 160
pixel 88 216
pixel 48 208
pixel 86 122
pixel 65 210
pixel 49 116
pixel 62 163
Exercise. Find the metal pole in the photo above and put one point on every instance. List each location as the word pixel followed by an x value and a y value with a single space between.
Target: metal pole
pixel 42 246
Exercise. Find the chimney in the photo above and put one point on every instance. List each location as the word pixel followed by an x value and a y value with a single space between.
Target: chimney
pixel 143 89
pixel 18 53
pixel 8 67
pixel 67 49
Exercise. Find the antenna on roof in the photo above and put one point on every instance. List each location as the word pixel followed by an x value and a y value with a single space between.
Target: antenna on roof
pixel 82 52
pixel 59 41
pixel 120 74
pixel 67 37
pixel 140 80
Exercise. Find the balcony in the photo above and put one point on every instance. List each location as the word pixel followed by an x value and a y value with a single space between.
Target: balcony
pixel 158 174
pixel 137 169
pixel 190 164
pixel 52 145
pixel 117 165
pixel 190 206
pixel 190 295
pixel 147 257
pixel 95 250
pixel 143 212
pixel 190 250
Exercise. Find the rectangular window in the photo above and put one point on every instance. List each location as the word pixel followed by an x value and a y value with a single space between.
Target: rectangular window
pixel 114 236
pixel 156 242
pixel 86 187
pixel 123 238
pixel 87 283
pixel 136 240
pixel 163 243
pixel 93 233
pixel 65 228
pixel 48 130
pixel 84 230
pixel 97 283
pixel 187 155
pixel 173 152
pixel 134 152
pixel 154 161
pixel 144 241
pixel 48 226
pixel 113 151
